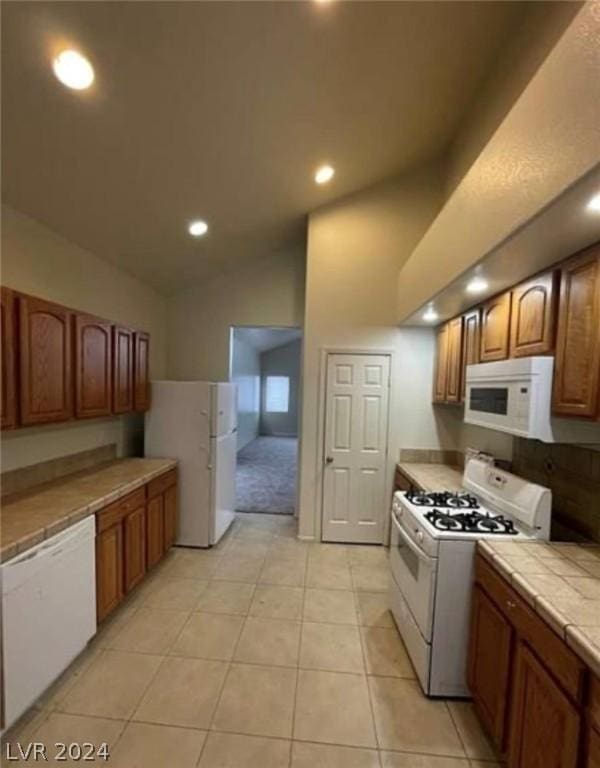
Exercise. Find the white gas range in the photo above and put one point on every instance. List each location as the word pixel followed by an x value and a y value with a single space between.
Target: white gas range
pixel 431 556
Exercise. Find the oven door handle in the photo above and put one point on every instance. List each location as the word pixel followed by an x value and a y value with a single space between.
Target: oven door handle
pixel 410 543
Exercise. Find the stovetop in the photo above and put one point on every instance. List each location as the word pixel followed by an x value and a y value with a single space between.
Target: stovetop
pixel 457 513
pixel 471 522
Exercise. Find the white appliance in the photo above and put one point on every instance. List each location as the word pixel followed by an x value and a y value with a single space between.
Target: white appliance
pixel 48 613
pixel 432 553
pixel 515 396
pixel 195 422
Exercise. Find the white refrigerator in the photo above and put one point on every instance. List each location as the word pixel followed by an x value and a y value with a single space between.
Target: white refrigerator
pixel 195 422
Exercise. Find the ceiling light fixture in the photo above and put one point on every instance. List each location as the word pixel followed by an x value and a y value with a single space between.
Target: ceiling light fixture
pixel 73 70
pixel 430 315
pixel 477 285
pixel 324 174
pixel 198 228
pixel 594 204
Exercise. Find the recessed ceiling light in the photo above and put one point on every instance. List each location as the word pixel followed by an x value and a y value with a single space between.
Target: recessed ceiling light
pixel 430 315
pixel 477 285
pixel 198 228
pixel 324 174
pixel 73 70
pixel 594 204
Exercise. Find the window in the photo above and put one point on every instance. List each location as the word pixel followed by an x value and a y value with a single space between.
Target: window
pixel 278 394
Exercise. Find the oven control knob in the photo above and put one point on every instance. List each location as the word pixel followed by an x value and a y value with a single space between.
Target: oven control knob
pixel 419 536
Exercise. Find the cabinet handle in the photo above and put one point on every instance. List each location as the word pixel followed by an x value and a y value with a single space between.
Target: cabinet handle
pixel 510 605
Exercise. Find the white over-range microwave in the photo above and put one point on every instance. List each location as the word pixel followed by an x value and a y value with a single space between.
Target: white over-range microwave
pixel 515 396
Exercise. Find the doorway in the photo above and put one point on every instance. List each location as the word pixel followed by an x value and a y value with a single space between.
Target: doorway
pixel 357 390
pixel 265 365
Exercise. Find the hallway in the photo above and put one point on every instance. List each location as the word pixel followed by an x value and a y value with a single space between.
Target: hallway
pixel 266 476
pixel 264 652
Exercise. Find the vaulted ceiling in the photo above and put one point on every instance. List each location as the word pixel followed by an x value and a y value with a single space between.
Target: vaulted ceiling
pixel 223 110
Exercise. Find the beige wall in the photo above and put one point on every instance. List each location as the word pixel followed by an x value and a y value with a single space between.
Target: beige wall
pixel 269 293
pixel 355 248
pixel 38 261
pixel 548 139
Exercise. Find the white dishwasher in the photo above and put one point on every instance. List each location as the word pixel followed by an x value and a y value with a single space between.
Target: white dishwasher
pixel 48 613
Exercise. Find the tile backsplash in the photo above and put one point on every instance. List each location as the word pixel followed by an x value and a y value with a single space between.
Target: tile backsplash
pixel 573 475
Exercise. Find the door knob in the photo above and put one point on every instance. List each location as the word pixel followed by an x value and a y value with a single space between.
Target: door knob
pixel 329 460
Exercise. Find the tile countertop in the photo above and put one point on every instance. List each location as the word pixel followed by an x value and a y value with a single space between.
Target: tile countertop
pixel 561 582
pixel 32 516
pixel 433 477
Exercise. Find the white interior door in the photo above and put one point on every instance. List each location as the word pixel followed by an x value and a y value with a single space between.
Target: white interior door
pixel 356 428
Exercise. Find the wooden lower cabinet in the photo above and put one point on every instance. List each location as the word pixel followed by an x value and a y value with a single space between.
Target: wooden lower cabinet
pixel 134 525
pixel 545 726
pixel 155 527
pixel 133 535
pixel 109 570
pixel 529 688
pixel 592 757
pixel 490 665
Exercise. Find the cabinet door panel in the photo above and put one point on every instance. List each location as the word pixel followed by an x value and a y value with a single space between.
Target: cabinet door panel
pixel 93 366
pixel 577 365
pixel 533 316
pixel 440 376
pixel 141 371
pixel 545 725
pixel 122 370
pixel 471 341
pixel 109 570
pixel 593 749
pixel 134 527
pixel 454 374
pixel 170 502
pixel 154 530
pixel 489 665
pixel 495 328
pixel 45 356
pixel 7 328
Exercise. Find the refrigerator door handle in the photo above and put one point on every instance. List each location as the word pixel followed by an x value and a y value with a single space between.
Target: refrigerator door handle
pixel 208 456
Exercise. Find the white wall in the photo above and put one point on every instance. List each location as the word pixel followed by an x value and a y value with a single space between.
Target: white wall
pixel 41 262
pixel 269 293
pixel 245 372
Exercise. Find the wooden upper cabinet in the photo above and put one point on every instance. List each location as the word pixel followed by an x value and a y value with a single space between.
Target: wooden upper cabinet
pixel 533 316
pixel 577 363
pixel 122 370
pixel 470 348
pixel 490 665
pixel 441 365
pixel 454 362
pixel 495 328
pixel 545 726
pixel 141 386
pixel 7 329
pixel 45 361
pixel 93 366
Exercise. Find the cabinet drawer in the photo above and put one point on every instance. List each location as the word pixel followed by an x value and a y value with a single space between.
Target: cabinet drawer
pixel 564 665
pixel 161 483
pixel 116 511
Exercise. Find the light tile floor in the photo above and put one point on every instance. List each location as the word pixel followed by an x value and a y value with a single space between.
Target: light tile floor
pixel 264 652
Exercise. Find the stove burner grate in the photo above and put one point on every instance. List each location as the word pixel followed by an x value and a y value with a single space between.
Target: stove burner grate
pixel 460 500
pixel 471 522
